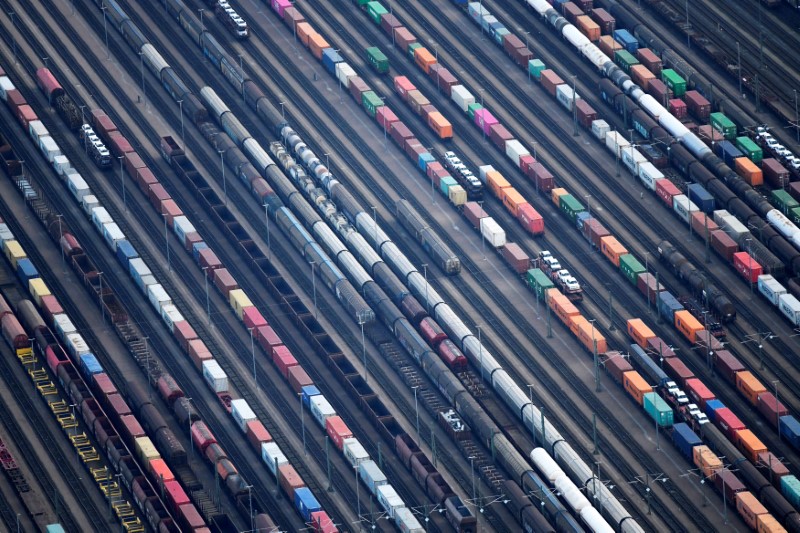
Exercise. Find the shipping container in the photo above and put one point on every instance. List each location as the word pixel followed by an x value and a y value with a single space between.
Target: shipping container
pixel 750 445
pixel 723 124
pixel 658 409
pixel 612 249
pixel 550 81
pixel 749 171
pixel 707 461
pixel 636 386
pixel 685 439
pixel 749 386
pixel 377 59
pixel 697 105
pixel 774 173
pixel 674 82
pixel 687 324
pixel 631 268
pixel 727 364
pixel 746 266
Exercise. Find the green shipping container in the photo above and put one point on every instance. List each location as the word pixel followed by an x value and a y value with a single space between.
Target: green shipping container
pixel 723 124
pixel 535 68
pixel 658 409
pixel 362 3
pixel 571 206
pixel 471 108
pixel 750 149
pixel 375 10
pixel 783 201
pixel 625 60
pixel 377 59
pixel 539 282
pixel 371 102
pixel 411 48
pixel 674 82
pixel 794 215
pixel 790 487
pixel 445 184
pixel 631 268
pixel 499 34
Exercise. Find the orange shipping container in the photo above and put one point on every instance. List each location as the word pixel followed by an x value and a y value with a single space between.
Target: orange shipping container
pixel 160 470
pixel 641 75
pixel 750 386
pixel 588 27
pixel 749 171
pixel 635 385
pixel 513 200
pixel 639 332
pixel 561 305
pixel 749 444
pixel 440 125
pixel 688 325
pixel 317 44
pixel 424 58
pixel 304 32
pixel 496 182
pixel 587 334
pixel 706 460
pixel 556 195
pixel 769 524
pixel 749 508
pixel 612 249
pixel 608 46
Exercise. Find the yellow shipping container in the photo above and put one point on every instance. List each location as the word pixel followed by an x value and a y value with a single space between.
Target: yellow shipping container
pixel 556 195
pixel 457 195
pixel 750 386
pixel 239 301
pixel 38 289
pixel 640 332
pixel 635 385
pixel 612 249
pixel 512 200
pixel 496 182
pixel 688 325
pixel 14 252
pixel 146 450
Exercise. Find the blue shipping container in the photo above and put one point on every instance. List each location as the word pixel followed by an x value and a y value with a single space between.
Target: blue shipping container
pixel 711 409
pixel 26 270
pixel 701 197
pixel 668 305
pixel 54 528
pixel 90 365
pixel 582 217
pixel 728 152
pixel 627 40
pixel 306 503
pixel 308 392
pixel 330 58
pixel 446 183
pixel 790 430
pixel 126 252
pixel 424 159
pixel 196 248
pixel 685 439
pixel 648 366
pixel 790 488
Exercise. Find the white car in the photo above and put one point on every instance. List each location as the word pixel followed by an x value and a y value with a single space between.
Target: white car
pixel 794 162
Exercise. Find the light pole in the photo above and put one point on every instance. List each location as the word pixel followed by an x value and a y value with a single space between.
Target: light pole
pixel 302 420
pixel 282 113
pixel 777 408
pixel 141 63
pixel 425 270
pixel 472 471
pixel 60 232
pixel 588 203
pixel 208 306
pixel 266 220
pixel 363 349
pixel 358 495
pixel 250 498
pixel 314 286
pixel 105 28
pixel 102 307
pixel 224 182
pixel 241 70
pixel 122 180
pixel 202 27
pixel 480 350
pixel 14 24
pixel 375 221
pixel 183 141
pixel 574 109
pixel 189 427
pixel 416 409
pixel 253 353
pixel 530 398
pixel 166 241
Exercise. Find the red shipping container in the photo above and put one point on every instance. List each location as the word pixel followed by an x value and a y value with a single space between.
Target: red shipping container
pixel 617 366
pixel 133 162
pixel 290 480
pixel 678 108
pixel 727 422
pixel 157 194
pixel 646 283
pixel 102 124
pixel 171 210
pixel 550 80
pixel 542 178
pixel 119 145
pixel 298 378
pixel 474 213
pixel 771 408
pixel 117 406
pixel 224 281
pixel 145 178
pixel 209 261
pixel 385 117
pixel 159 470
pixel 526 163
pixel 726 363
pixel 650 60
pixel 432 168
pixel 697 104
pixel 15 99
pixel 322 523
pixel 439 175
pixel 700 221
pixel 191 239
pixel 104 384
pixel 190 518
pixel 698 393
pixel 416 150
pixel 26 115
pixel 50 308
pixel 677 370
pixel 184 332
pixel 199 352
pixel 337 431
pixel 665 190
pixel 253 318
pixel 746 266
pixel 723 244
pixel 400 133
pixel 202 436
pixel 131 428
pixel 586 113
pixel 403 86
pixel 389 23
pixel 531 220
pixel 257 433
pixel 499 134
pixel 593 231
pixel 283 359
pixel 267 338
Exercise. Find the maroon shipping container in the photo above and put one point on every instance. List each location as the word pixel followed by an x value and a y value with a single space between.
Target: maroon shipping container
pixel 403 38
pixel 414 150
pixel 26 115
pixel 616 365
pixel 225 281
pixel 445 80
pixel 550 80
pixel 585 5
pixel 659 349
pixel 257 433
pixel 650 60
pixel 389 23
pixel 499 134
pixel 50 308
pixel 677 107
pixel 677 370
pixel 705 339
pixel 157 194
pixel 771 408
pixel 133 162
pixel 15 99
pixel 131 428
pixel 586 113
pixel 202 436
pixel 526 163
pixel 542 178
pixel 298 378
pixel 432 168
pixel 593 230
pixel 417 101
pixel 267 338
pixel 701 221
pixel 119 145
pixel 170 209
pixel 571 11
pixel 191 239
pixel 794 190
pixel 603 19
pixel 385 117
pixel 253 318
pixel 727 364
pixel 290 480
pixel 517 49
pixel 209 261
pixel 117 406
pixel 439 175
pixel 427 110
pixel 516 258
pixel 168 388
pixel 709 135
pixel 357 87
pixel 775 469
pixel 145 178
pixel 474 213
pixel 659 91
pixel 184 332
pixel 646 283
pixel 431 331
pixel 103 384
pixel 283 359
pixel 776 175
pixel 102 124
pixel 727 481
pixel 400 133
pixel 190 518
pixel 728 422
pixel 292 17
pixel 698 105
pixel 697 391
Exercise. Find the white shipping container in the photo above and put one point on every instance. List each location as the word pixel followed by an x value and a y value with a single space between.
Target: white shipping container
pixel 5 235
pixel 216 378
pixel 770 288
pixel 482 170
pixel 735 229
pixel 5 86
pixel 354 451
pixel 77 186
pixel 147 281
pixel 371 474
pixel 389 499
pixel 100 217
pixel 76 346
pixel 321 409
pixel 37 130
pixel 343 73
pixel 566 96
pixel 477 11
pixel 170 315
pixel 649 175
pixel 600 128
pixel 158 296
pixel 272 456
pixel 492 232
pixel 406 521
pixel 720 215
pixel 615 142
pixel 632 158
pixel 182 226
pixel 462 97
pixel 515 150
pixel 49 148
pixel 61 164
pixel 683 207
pixel 790 307
pixel 63 326
pixel 112 234
pixel 242 413
pixel 89 202
pixel 139 270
